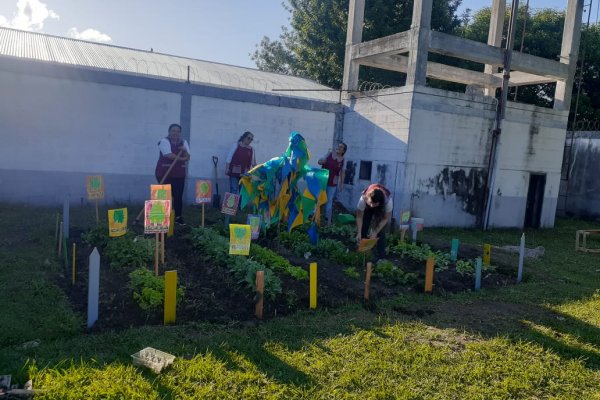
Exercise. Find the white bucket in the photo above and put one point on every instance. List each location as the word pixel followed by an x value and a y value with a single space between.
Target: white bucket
pixel 416 224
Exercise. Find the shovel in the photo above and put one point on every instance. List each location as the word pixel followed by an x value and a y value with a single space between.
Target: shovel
pixel 216 200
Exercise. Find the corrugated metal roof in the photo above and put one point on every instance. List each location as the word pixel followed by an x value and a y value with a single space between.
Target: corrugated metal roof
pixel 61 50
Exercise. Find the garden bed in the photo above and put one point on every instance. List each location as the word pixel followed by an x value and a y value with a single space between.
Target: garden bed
pixel 220 288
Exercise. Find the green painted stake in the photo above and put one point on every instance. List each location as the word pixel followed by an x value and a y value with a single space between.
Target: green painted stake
pixel 454 250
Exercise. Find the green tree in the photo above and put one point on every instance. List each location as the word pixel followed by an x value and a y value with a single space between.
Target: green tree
pixel 543 38
pixel 315 45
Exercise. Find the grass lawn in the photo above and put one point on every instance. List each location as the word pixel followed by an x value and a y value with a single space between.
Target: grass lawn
pixel 536 340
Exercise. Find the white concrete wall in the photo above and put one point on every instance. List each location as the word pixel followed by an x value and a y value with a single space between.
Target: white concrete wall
pixel 217 124
pixel 53 126
pixel 532 141
pixel 448 149
pixel 376 129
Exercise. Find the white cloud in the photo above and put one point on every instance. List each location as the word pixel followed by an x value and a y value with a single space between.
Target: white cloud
pixel 30 16
pixel 89 34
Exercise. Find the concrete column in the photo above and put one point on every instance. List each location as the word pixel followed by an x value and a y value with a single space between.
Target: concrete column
pixel 495 37
pixel 419 42
pixel 356 16
pixel 569 53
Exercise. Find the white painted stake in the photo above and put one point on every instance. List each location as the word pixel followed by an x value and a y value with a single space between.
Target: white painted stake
pixel 521 256
pixel 93 288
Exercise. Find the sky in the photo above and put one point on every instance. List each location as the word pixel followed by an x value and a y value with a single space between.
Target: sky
pixel 224 31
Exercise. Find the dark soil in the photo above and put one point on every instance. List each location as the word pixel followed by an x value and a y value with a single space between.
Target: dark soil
pixel 212 295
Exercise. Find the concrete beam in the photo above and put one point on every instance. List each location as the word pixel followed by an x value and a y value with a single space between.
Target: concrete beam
pixel 420 33
pixel 495 35
pixel 455 46
pixel 568 54
pixel 356 16
pixel 393 44
pixel 518 78
pixel 434 70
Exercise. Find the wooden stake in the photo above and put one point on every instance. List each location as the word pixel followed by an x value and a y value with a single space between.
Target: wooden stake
pixel 429 275
pixel 60 242
pixel 313 286
pixel 368 279
pixel 97 216
pixel 74 250
pixel 170 297
pixel 260 289
pixel 156 254
pixel 162 248
pixel 203 215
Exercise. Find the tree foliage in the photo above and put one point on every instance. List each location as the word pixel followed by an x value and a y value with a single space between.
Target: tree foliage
pixel 314 46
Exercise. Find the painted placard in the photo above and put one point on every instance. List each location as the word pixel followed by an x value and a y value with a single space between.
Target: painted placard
pixel 157 216
pixel 254 221
pixel 117 222
pixel 95 187
pixel 160 192
pixel 239 239
pixel 366 244
pixel 405 217
pixel 230 203
pixel 203 191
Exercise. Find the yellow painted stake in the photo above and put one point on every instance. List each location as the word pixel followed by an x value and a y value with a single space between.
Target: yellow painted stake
pixel 74 249
pixel 313 286
pixel 170 296
pixel 487 254
pixel 429 275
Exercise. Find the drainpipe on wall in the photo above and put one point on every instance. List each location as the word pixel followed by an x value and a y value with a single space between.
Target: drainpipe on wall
pixel 500 113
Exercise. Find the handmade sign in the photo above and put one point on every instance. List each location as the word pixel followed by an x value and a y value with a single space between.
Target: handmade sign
pixel 239 239
pixel 405 217
pixel 95 187
pixel 160 192
pixel 117 222
pixel 203 191
pixel 366 244
pixel 157 216
pixel 254 221
pixel 230 203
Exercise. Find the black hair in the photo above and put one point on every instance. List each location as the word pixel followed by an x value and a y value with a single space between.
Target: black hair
pixel 244 135
pixel 345 147
pixel 173 126
pixel 377 196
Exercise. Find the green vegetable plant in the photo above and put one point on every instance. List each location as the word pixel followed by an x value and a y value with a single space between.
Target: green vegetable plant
pixel 97 236
pixel 216 248
pixel 276 262
pixel 126 251
pixel 391 274
pixel 148 289
pixel 351 272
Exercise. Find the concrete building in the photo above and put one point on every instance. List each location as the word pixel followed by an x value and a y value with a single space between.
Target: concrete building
pixel 433 148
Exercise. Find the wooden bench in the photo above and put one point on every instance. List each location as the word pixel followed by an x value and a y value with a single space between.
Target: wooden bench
pixel 581 238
